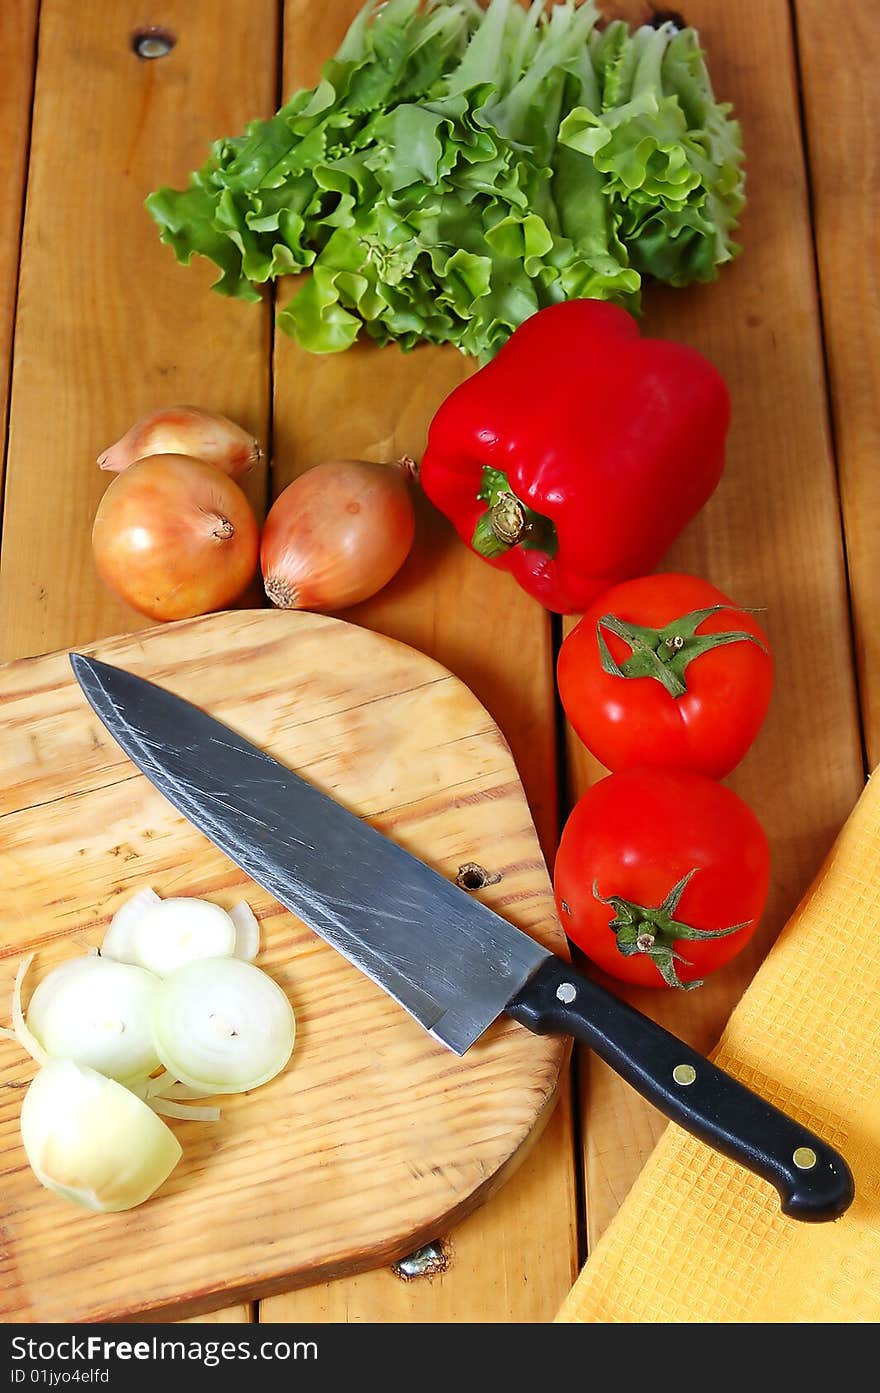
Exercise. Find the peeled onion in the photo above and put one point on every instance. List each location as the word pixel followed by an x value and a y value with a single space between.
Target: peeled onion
pixel 174 538
pixel 93 1141
pixel 185 430
pixel 337 534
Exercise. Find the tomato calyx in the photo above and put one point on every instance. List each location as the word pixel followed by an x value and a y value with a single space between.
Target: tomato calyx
pixel 654 931
pixel 664 653
pixel 508 522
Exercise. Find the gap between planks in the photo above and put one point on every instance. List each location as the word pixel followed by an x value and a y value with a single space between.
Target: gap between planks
pixel 18 57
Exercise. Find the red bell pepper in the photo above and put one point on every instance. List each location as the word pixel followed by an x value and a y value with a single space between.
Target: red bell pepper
pixel 576 456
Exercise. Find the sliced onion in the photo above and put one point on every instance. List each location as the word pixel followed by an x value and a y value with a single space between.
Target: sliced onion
pixel 118 941
pixel 98 1013
pixel 157 1085
pixel 178 931
pixel 223 1026
pixel 247 931
pixel 185 1111
pixel 180 1092
pixel 24 1036
pixel 92 1141
pixel 169 1089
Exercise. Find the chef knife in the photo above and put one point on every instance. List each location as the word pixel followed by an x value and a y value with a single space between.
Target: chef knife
pixel 448 959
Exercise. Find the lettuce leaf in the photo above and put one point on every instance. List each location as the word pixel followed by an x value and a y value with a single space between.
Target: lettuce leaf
pixel 459 167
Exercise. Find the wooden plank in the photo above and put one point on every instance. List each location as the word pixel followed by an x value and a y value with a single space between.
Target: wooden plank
pixel 108 326
pixel 18 24
pixel 842 144
pixel 769 537
pixel 377 404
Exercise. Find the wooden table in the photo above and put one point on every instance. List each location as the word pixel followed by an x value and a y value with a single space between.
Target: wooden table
pixel 98 325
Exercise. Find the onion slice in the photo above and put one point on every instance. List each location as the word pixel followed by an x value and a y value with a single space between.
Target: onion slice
pixel 247 931
pixel 156 1086
pixel 180 1092
pixel 118 941
pixel 93 1141
pixel 177 931
pixel 185 1111
pixel 223 1026
pixel 25 1038
pixel 98 1013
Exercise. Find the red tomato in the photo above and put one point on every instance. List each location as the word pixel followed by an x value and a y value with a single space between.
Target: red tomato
pixel 626 850
pixel 630 720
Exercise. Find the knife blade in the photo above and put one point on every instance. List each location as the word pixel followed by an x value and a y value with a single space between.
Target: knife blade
pixel 449 960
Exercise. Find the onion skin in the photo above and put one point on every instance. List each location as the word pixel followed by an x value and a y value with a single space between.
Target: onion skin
pixel 175 538
pixel 185 430
pixel 337 534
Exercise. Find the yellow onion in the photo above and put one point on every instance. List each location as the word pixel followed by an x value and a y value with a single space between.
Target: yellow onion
pixel 174 538
pixel 337 534
pixel 185 430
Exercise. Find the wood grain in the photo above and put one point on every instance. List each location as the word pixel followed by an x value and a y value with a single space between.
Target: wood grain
pixel 376 1137
pixel 506 1246
pixel 108 326
pixel 842 144
pixel 377 404
pixel 18 25
pixel 769 537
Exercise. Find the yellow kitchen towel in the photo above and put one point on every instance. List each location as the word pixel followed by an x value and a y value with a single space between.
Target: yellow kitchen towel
pixel 700 1239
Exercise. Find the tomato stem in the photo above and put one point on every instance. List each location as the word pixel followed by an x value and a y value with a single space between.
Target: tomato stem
pixel 654 930
pixel 664 654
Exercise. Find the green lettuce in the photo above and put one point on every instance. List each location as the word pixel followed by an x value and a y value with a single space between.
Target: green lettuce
pixel 457 168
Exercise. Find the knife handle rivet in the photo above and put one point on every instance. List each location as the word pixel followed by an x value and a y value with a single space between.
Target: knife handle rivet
pixel 566 993
pixel 684 1074
pixel 805 1158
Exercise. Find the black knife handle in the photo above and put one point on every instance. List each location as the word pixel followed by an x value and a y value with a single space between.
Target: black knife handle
pixel 814 1181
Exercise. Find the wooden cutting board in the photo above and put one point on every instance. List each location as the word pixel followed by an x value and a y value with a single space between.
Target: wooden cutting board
pixel 375 1138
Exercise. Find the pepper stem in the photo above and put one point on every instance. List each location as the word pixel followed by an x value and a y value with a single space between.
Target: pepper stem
pixel 654 930
pixel 507 519
pixel 508 522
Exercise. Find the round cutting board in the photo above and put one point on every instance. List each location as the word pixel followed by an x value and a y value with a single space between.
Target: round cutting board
pixel 375 1138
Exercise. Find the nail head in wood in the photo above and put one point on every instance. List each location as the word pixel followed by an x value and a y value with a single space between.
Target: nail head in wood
pixel 152 42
